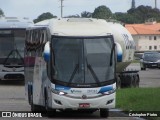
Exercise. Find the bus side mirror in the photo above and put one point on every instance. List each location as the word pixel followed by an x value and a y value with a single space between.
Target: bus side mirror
pixel 46 52
pixel 119 52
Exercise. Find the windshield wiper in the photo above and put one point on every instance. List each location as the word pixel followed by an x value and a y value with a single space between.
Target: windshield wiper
pixel 113 47
pixel 93 73
pixel 73 74
pixel 11 52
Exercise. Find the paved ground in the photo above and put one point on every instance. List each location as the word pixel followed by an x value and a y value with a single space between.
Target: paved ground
pixel 148 77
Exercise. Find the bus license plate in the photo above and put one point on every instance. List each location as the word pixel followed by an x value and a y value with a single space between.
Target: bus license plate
pixel 84 105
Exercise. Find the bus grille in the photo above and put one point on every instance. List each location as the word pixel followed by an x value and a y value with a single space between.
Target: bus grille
pixel 14 77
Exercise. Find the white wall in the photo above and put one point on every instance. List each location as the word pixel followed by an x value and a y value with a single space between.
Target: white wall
pixel 143 42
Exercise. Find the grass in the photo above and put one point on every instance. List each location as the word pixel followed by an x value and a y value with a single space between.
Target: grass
pixel 138 99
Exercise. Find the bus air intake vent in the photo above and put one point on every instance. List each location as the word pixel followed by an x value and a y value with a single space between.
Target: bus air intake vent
pixel 12 20
pixel 79 20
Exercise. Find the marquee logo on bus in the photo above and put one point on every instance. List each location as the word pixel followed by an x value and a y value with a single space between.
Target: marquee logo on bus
pixel 76 91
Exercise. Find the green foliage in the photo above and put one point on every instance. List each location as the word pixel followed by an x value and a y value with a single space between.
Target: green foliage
pixel 139 15
pixel 102 12
pixel 86 14
pixel 73 16
pixel 133 15
pixel 1 13
pixel 44 16
pixel 125 18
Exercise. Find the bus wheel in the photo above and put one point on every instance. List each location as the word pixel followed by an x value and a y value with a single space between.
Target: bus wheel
pixel 131 81
pixel 118 83
pixel 50 112
pixel 137 80
pixel 104 113
pixel 34 108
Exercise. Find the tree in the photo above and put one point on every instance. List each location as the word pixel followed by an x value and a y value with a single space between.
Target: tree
pixel 1 13
pixel 86 14
pixel 142 13
pixel 44 16
pixel 125 18
pixel 72 16
pixel 138 15
pixel 102 12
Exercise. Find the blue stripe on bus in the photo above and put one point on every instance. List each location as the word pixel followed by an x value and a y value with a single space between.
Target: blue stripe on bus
pixel 59 87
pixel 105 89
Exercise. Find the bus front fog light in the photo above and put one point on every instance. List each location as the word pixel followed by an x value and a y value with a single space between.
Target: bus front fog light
pixel 109 101
pixel 58 102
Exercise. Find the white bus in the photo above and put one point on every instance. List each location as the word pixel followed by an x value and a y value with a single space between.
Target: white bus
pixel 12 40
pixel 70 65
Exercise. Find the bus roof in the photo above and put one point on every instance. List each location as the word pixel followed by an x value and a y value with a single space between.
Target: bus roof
pixel 77 27
pixel 14 22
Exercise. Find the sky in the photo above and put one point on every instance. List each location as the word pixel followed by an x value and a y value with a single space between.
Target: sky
pixel 33 8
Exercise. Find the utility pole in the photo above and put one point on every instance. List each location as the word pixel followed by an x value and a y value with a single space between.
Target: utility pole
pixel 62 8
pixel 133 6
pixel 155 3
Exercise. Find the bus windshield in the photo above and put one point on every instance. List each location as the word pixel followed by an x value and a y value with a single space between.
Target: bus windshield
pixel 12 43
pixel 82 61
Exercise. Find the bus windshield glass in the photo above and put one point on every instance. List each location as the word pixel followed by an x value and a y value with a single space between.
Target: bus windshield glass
pixel 11 40
pixel 83 61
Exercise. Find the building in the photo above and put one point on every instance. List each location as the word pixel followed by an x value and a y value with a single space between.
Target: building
pixel 146 36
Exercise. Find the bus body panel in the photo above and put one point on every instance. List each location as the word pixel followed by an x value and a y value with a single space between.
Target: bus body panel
pixel 38 81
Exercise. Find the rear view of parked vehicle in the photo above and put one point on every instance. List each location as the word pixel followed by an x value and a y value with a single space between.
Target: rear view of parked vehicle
pixel 150 60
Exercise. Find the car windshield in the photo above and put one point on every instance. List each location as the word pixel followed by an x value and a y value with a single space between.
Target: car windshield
pixel 151 56
pixel 83 61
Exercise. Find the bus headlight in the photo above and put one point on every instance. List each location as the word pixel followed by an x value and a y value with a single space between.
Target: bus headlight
pixel 58 92
pixel 109 92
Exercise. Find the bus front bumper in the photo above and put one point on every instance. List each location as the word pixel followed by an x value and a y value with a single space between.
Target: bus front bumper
pixel 11 75
pixel 63 102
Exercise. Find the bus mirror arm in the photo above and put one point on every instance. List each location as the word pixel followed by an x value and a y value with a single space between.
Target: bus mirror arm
pixel 112 50
pixel 46 52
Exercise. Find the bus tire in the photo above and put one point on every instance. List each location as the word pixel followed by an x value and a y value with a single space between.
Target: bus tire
pixel 34 108
pixel 132 81
pixel 49 111
pixel 118 83
pixel 30 94
pixel 104 113
pixel 136 80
